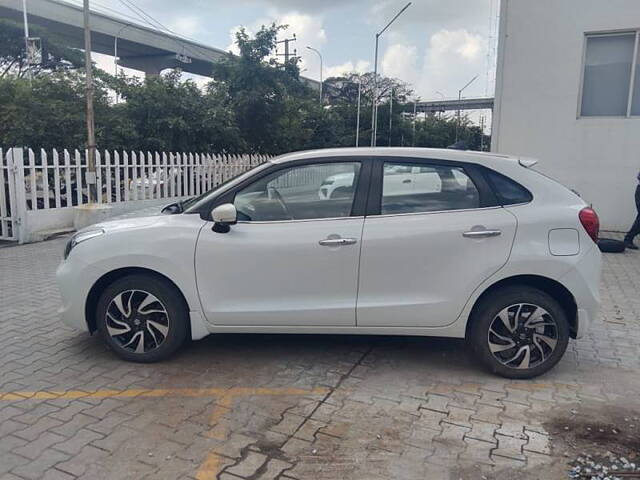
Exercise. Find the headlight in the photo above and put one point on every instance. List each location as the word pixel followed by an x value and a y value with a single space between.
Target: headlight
pixel 81 237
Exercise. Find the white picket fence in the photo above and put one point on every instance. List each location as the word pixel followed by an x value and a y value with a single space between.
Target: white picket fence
pixel 44 185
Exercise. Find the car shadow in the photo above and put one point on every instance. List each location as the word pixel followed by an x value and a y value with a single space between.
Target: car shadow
pixel 445 355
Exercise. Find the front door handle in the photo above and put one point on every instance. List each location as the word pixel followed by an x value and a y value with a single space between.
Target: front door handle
pixel 408 180
pixel 482 233
pixel 335 242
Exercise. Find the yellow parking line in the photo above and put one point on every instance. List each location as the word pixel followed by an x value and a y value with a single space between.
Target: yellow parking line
pixel 159 392
pixel 209 468
pixel 73 394
pixel 211 465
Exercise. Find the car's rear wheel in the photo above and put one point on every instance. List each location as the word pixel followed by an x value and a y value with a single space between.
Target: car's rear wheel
pixel 142 318
pixel 519 332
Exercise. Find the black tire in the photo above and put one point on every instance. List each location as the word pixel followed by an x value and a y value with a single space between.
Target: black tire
pixel 151 322
pixel 610 245
pixel 479 336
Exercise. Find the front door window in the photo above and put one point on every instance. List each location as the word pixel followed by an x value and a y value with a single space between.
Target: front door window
pixel 324 190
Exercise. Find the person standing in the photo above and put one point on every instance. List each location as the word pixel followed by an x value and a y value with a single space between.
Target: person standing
pixel 635 228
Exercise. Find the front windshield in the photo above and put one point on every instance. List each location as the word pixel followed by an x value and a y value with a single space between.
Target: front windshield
pixel 192 204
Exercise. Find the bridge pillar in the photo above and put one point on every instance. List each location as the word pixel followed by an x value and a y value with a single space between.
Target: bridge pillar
pixel 151 65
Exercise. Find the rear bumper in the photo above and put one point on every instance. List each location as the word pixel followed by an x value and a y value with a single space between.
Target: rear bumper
pixel 583 281
pixel 583 322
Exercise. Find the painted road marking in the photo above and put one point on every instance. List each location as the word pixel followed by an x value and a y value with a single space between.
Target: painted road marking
pixel 159 392
pixel 211 465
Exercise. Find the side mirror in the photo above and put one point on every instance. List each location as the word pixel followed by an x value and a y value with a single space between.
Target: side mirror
pixel 171 209
pixel 223 216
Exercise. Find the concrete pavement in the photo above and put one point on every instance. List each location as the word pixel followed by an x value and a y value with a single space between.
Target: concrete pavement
pixel 303 407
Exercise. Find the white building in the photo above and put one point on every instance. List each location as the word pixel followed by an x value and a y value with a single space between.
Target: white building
pixel 568 93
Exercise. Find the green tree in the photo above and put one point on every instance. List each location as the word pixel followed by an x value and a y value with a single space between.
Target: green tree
pixel 342 96
pixel 49 111
pixel 170 114
pixel 13 58
pixel 254 104
pixel 269 101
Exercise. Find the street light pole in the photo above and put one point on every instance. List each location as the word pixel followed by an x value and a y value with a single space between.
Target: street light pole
pixel 319 55
pixel 374 107
pixel 91 138
pixel 115 52
pixel 358 115
pixel 374 100
pixel 26 38
pixel 459 100
pixel 390 115
pixel 415 111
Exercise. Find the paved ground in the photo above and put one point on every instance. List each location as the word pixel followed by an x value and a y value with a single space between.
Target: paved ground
pixel 303 407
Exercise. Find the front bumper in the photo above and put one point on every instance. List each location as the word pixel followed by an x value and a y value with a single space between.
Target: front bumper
pixel 74 281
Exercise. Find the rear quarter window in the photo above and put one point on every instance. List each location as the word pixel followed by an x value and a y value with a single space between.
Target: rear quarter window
pixel 508 192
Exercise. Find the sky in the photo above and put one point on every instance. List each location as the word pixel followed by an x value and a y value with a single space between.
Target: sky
pixel 435 45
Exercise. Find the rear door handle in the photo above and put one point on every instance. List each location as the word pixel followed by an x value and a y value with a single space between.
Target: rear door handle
pixel 335 242
pixel 482 233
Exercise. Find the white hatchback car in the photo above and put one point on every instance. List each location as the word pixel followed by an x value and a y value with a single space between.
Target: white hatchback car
pixel 419 242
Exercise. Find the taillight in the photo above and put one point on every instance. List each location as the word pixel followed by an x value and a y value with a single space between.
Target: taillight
pixel 590 221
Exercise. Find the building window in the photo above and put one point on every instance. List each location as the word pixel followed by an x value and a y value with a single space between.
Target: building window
pixel 611 82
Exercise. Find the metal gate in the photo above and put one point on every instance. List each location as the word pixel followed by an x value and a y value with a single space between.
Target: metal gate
pixel 9 221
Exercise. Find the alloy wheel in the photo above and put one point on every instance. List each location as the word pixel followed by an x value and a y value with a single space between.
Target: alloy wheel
pixel 522 336
pixel 137 321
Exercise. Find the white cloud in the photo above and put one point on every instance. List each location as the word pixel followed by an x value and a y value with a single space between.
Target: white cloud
pixel 361 66
pixel 461 43
pixel 187 25
pixel 400 61
pixel 452 58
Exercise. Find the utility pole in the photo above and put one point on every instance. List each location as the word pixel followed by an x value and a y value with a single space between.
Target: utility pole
pixel 91 137
pixel 374 107
pixel 286 53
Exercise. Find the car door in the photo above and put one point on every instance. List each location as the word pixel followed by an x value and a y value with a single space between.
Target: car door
pixel 293 257
pixel 424 253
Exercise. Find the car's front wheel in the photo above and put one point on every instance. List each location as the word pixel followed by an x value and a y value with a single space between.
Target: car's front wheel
pixel 142 318
pixel 519 332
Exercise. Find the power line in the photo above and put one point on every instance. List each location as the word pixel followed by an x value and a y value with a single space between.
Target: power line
pixel 147 18
pixel 97 7
pixel 107 10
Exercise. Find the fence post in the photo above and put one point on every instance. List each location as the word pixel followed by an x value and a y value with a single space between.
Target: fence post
pixel 19 207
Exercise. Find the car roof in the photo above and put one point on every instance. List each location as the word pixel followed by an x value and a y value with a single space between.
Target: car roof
pixel 483 158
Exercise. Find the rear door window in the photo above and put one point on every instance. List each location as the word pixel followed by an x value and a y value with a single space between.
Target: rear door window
pixel 509 192
pixel 426 188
